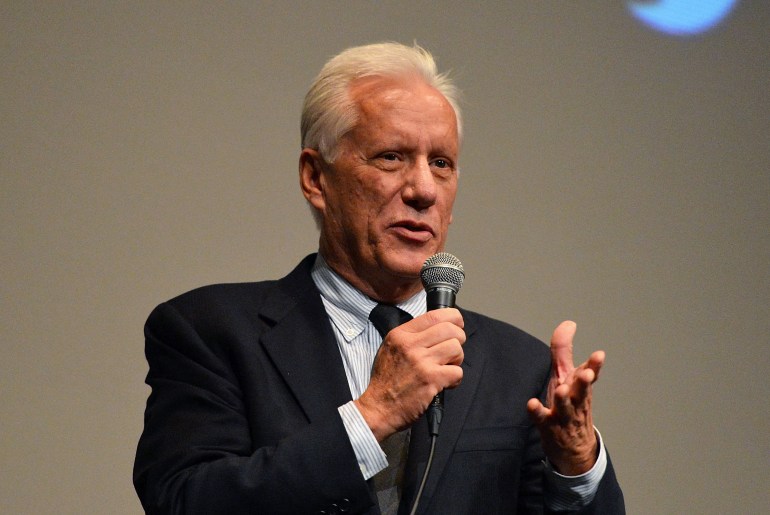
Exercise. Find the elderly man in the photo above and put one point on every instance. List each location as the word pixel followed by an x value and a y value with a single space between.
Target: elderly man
pixel 283 397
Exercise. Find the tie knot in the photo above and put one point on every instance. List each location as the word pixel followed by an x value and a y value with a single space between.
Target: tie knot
pixel 385 317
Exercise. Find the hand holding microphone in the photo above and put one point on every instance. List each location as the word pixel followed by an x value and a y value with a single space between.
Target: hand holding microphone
pixel 419 358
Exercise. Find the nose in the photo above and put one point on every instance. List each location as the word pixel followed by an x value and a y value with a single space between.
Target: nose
pixel 419 190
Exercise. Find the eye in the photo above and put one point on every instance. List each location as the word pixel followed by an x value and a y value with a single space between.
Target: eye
pixel 389 156
pixel 389 161
pixel 442 164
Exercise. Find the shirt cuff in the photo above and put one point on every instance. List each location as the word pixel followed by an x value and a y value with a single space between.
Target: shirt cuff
pixel 573 492
pixel 371 458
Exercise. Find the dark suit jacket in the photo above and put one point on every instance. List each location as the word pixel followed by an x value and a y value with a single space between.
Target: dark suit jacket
pixel 246 380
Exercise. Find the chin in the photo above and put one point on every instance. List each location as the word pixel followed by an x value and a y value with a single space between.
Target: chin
pixel 406 264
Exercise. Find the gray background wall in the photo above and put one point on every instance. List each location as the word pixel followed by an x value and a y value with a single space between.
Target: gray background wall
pixel 610 175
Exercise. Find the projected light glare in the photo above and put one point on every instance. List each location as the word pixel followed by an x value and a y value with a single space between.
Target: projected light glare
pixel 681 17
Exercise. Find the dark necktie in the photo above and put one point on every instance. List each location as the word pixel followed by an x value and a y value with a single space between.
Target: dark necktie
pixel 385 318
pixel 388 482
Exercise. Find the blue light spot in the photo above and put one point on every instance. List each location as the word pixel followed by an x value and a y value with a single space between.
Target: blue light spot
pixel 681 17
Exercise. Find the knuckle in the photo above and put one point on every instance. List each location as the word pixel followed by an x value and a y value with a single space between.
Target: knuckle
pixel 433 316
pixel 457 377
pixel 458 354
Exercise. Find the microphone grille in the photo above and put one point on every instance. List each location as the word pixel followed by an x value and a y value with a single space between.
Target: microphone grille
pixel 442 269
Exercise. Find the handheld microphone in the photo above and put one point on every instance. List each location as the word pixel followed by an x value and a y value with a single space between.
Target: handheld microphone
pixel 442 276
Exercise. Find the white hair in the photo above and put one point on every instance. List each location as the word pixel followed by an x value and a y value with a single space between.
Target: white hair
pixel 329 112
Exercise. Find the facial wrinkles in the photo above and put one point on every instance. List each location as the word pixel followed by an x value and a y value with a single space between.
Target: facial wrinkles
pixel 353 186
pixel 373 199
pixel 409 130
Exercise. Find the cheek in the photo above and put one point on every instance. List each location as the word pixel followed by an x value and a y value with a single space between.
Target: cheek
pixel 360 210
pixel 380 197
pixel 448 201
pixel 349 198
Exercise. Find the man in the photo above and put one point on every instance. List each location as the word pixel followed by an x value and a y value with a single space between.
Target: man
pixel 280 396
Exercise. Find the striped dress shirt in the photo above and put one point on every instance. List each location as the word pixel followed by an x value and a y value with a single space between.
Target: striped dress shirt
pixel 358 341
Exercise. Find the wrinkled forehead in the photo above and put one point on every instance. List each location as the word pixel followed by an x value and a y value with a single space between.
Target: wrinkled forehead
pixel 384 100
pixel 388 88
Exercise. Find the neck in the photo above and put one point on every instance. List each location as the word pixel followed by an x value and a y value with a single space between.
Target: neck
pixel 389 289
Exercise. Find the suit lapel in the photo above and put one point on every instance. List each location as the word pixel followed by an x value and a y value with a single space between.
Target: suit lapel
pixel 302 345
pixel 457 402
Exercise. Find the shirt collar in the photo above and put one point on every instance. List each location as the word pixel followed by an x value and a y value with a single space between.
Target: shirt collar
pixel 346 306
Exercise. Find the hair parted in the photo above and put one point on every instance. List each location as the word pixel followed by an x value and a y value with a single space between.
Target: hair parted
pixel 328 112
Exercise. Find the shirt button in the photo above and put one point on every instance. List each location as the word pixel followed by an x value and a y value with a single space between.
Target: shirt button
pixel 350 332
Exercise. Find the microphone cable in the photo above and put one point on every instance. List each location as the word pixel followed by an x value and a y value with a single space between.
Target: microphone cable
pixel 433 439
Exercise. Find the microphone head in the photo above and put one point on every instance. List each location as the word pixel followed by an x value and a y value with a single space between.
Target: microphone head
pixel 442 270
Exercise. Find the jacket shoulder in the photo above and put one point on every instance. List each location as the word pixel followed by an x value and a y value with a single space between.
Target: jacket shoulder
pixel 224 295
pixel 506 343
pixel 227 301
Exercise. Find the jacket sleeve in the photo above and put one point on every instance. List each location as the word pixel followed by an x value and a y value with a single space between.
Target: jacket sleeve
pixel 609 497
pixel 197 453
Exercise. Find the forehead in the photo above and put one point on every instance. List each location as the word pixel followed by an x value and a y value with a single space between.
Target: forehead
pixel 398 102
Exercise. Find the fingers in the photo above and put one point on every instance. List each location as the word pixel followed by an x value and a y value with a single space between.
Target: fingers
pixel 579 393
pixel 434 317
pixel 537 412
pixel 561 350
pixel 448 376
pixel 448 352
pixel 585 376
pixel 439 354
pixel 439 333
pixel 576 394
pixel 595 362
pixel 562 353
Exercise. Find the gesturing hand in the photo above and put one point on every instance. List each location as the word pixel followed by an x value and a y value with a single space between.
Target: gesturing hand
pixel 565 423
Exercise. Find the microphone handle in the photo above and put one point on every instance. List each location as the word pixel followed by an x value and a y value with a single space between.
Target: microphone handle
pixel 438 298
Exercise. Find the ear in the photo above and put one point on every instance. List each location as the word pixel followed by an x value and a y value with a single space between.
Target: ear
pixel 311 170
